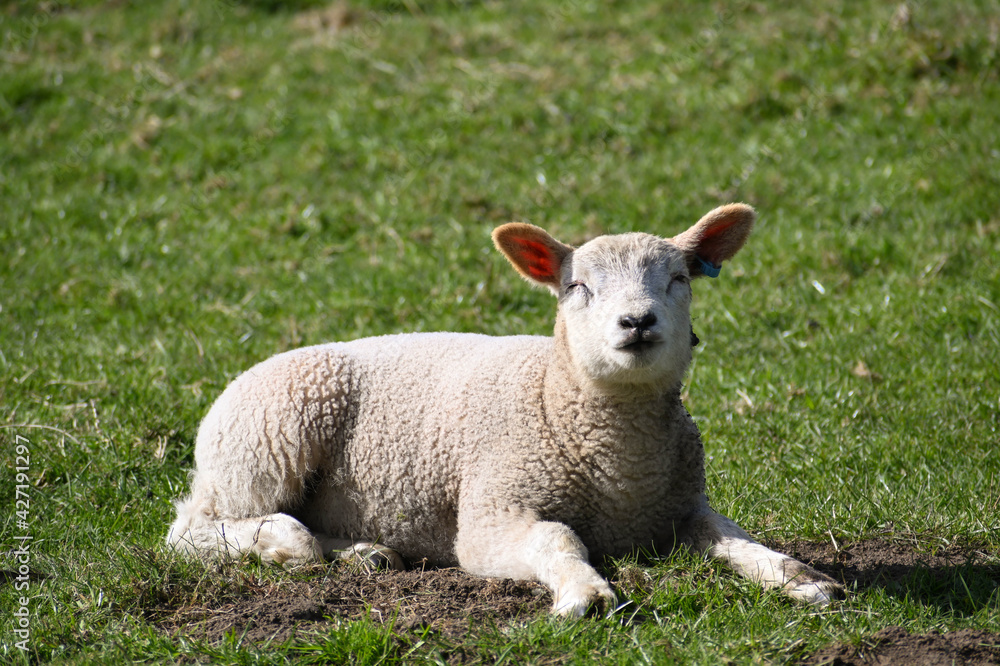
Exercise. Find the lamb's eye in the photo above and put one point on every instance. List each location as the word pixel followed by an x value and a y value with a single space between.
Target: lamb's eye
pixel 577 287
pixel 679 279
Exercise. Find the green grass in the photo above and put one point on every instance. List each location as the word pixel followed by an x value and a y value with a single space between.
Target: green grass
pixel 188 188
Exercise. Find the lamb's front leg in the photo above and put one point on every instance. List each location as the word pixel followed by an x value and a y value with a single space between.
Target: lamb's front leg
pixel 520 547
pixel 719 537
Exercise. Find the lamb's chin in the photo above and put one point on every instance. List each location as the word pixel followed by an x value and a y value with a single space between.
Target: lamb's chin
pixel 644 358
pixel 642 372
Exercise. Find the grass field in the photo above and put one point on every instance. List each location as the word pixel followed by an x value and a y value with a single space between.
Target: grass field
pixel 187 188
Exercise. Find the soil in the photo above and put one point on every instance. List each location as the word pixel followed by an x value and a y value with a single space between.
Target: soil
pixel 893 645
pixel 452 603
pixel 448 601
pixel 887 564
pixel 902 569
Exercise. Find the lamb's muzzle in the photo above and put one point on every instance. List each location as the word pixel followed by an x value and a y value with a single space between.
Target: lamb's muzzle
pixel 523 457
pixel 639 335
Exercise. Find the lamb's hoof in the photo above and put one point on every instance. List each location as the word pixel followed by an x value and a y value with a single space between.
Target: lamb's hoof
pixel 281 539
pixel 574 601
pixel 290 558
pixel 373 557
pixel 817 592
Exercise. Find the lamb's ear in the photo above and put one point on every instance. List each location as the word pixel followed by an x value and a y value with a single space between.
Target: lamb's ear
pixel 536 255
pixel 715 238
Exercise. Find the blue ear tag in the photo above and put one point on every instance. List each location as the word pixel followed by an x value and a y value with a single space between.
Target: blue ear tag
pixel 708 268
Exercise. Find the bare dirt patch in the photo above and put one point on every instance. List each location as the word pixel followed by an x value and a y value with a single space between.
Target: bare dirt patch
pixel 894 645
pixel 954 578
pixel 450 602
pixel 892 565
pixel 447 601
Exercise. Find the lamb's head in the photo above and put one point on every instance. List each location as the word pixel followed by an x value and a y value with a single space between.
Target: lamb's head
pixel 624 300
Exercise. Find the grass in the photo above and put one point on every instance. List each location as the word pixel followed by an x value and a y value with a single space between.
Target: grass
pixel 190 187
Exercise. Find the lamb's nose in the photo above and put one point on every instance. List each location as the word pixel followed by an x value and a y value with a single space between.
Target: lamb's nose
pixel 645 321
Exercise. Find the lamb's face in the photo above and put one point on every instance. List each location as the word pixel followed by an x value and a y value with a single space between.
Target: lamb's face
pixel 625 301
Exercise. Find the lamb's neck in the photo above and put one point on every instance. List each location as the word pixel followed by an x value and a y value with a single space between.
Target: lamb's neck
pixel 566 391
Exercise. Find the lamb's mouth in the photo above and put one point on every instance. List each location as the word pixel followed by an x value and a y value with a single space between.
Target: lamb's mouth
pixel 638 343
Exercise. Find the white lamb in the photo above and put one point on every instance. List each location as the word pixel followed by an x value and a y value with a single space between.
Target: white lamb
pixel 522 457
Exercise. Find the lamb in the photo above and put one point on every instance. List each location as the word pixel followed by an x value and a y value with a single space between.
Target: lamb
pixel 525 457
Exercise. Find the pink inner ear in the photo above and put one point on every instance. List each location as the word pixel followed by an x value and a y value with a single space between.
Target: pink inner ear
pixel 537 258
pixel 718 228
pixel 709 247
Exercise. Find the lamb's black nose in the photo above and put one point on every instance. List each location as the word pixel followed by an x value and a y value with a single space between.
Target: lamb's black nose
pixel 645 321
